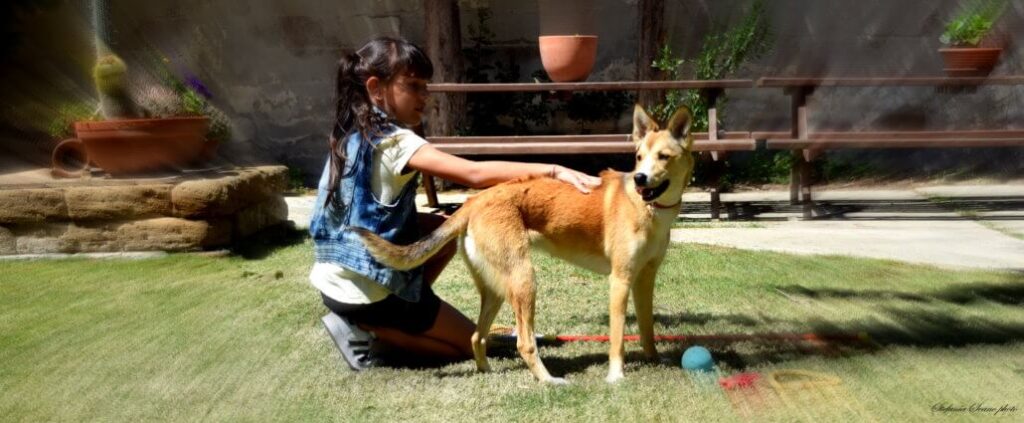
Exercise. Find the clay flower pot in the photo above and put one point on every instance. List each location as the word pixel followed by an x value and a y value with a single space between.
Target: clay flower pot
pixel 69 159
pixel 568 58
pixel 142 145
pixel 969 61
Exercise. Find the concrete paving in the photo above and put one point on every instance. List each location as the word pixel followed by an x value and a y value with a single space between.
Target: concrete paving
pixel 944 243
pixel 985 240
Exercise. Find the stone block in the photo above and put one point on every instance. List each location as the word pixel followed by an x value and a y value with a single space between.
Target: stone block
pixel 173 234
pixel 263 215
pixel 228 194
pixel 42 238
pixel 32 205
pixel 158 234
pixel 118 202
pixel 8 242
pixel 93 239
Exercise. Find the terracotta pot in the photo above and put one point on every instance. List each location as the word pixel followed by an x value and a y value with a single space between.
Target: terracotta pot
pixel 969 61
pixel 568 58
pixel 69 159
pixel 142 145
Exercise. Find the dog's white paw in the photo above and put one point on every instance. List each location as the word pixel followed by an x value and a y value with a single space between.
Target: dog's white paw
pixel 556 381
pixel 614 377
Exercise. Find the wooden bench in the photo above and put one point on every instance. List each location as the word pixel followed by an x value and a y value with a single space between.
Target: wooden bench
pixel 808 145
pixel 707 142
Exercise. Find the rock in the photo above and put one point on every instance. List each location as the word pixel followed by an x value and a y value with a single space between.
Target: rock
pixel 31 205
pixel 118 202
pixel 174 234
pixel 8 243
pixel 159 234
pixel 41 238
pixel 228 194
pixel 263 215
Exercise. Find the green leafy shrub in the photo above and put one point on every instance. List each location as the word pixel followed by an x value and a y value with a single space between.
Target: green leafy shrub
pixel 62 125
pixel 972 23
pixel 723 52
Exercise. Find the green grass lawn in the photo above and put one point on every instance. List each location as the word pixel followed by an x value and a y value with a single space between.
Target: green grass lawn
pixel 189 337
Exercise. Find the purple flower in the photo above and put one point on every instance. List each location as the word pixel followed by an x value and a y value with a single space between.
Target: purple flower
pixel 196 85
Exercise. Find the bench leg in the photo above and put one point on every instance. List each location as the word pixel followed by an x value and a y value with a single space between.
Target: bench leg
pixel 428 186
pixel 717 168
pixel 806 181
pixel 794 178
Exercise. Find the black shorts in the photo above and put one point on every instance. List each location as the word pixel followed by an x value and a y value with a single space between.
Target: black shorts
pixel 392 312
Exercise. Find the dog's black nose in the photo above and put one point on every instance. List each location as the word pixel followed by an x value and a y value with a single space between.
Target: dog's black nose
pixel 640 179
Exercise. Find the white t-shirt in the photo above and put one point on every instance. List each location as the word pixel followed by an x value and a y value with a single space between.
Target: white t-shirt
pixel 386 182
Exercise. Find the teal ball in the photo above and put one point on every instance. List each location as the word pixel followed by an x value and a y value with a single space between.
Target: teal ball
pixel 698 358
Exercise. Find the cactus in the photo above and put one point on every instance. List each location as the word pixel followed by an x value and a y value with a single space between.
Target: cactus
pixel 111 78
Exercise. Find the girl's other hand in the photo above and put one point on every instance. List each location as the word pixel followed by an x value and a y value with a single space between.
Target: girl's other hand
pixel 580 180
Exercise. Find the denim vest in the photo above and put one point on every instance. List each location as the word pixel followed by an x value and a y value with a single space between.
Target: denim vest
pixel 355 205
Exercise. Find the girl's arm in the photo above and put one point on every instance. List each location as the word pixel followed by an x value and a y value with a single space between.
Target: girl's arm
pixel 430 160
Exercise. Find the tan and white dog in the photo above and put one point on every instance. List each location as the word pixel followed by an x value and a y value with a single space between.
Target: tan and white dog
pixel 621 229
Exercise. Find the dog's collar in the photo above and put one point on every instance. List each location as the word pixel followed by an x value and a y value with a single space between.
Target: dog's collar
pixel 659 206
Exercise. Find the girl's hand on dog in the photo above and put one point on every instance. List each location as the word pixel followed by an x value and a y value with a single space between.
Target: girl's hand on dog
pixel 580 180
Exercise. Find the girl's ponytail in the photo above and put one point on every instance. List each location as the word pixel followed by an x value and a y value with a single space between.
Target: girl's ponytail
pixel 350 93
pixel 384 58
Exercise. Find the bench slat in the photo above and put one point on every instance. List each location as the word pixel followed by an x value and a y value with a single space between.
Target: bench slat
pixel 978 134
pixel 563 138
pixel 588 86
pixel 894 135
pixel 580 147
pixel 791 82
pixel 840 143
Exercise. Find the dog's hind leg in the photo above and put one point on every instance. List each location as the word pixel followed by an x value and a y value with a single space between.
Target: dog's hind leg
pixel 499 245
pixel 490 304
pixel 522 296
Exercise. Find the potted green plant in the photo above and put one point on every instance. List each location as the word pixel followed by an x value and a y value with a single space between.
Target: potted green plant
pixel 970 51
pixel 137 132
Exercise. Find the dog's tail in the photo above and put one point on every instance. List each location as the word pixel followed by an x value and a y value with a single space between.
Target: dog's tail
pixel 405 257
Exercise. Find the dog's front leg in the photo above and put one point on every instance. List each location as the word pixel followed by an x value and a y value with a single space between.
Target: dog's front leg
pixel 643 302
pixel 618 301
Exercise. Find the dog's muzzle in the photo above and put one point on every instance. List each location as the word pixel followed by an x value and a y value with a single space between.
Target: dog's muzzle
pixel 648 194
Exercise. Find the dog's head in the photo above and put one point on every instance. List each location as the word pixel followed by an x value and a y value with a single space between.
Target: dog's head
pixel 663 155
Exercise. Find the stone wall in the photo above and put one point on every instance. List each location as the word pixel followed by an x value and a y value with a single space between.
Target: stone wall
pixel 181 214
pixel 271 67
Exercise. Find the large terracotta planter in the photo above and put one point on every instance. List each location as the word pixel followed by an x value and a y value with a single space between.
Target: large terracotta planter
pixel 568 58
pixel 969 61
pixel 142 145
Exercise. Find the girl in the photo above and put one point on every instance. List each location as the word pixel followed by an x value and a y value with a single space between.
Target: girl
pixel 370 182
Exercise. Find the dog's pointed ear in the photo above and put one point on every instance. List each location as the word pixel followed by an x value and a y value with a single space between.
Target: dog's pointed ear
pixel 642 123
pixel 679 126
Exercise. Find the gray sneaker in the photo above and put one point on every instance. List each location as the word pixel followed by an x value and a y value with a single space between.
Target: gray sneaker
pixel 353 343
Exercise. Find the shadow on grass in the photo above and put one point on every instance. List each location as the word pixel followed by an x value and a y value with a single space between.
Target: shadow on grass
pixel 265 242
pixel 1011 293
pixel 891 326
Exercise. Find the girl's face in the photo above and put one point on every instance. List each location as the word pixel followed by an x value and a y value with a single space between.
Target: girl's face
pixel 404 97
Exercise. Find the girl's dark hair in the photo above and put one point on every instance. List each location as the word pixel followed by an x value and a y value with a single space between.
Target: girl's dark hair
pixel 385 58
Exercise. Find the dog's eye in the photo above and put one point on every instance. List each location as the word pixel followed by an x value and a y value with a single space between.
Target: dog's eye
pixel 662 157
pixel 639 158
